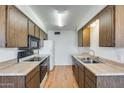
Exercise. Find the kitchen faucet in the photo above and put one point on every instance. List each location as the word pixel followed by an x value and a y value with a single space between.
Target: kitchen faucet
pixel 92 51
pixel 92 56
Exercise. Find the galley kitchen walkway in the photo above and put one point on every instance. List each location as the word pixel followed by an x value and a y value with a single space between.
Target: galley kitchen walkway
pixel 61 77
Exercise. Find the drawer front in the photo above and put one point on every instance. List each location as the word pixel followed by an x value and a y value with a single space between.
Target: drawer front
pixel 32 73
pixel 90 75
pixel 89 83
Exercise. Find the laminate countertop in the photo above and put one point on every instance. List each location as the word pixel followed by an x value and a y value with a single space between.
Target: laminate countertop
pixel 105 68
pixel 13 68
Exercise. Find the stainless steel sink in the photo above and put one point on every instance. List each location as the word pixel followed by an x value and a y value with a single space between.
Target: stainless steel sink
pixel 35 59
pixel 89 60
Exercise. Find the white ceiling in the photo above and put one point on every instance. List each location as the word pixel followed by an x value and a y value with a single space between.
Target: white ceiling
pixel 77 15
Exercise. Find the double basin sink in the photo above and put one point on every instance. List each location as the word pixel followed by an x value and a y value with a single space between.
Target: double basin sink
pixel 89 60
pixel 35 59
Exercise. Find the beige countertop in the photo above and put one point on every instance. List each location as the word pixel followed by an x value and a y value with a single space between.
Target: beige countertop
pixel 105 68
pixel 19 69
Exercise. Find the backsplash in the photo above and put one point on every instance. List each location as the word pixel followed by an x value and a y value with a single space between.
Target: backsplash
pixel 7 54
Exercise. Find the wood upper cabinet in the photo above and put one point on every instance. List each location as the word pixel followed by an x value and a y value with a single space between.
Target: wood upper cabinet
pixel 31 28
pixel 119 25
pixel 106 27
pixel 17 28
pixel 41 34
pixel 41 38
pixel 2 25
pixel 86 37
pixel 45 36
pixel 80 36
pixel 37 32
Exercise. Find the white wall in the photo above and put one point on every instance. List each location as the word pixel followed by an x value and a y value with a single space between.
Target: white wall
pixel 7 54
pixel 65 46
pixel 116 54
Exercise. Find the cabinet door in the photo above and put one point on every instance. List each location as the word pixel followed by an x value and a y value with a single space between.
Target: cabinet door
pixel 2 25
pixel 41 34
pixel 86 37
pixel 106 27
pixel 41 38
pixel 80 38
pixel 81 78
pixel 31 28
pixel 119 19
pixel 16 28
pixel 34 82
pixel 45 36
pixel 76 72
pixel 90 79
pixel 37 34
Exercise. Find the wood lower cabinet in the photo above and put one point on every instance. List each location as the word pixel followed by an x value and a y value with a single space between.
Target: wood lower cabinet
pixel 86 79
pixel 90 79
pixel 12 82
pixel 17 28
pixel 78 72
pixel 32 80
pixel 81 82
pixel 75 70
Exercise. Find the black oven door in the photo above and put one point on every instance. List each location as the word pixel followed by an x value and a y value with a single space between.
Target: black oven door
pixel 44 67
pixel 34 43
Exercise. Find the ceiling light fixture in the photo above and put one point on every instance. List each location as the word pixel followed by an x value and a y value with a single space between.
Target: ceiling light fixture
pixel 61 17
